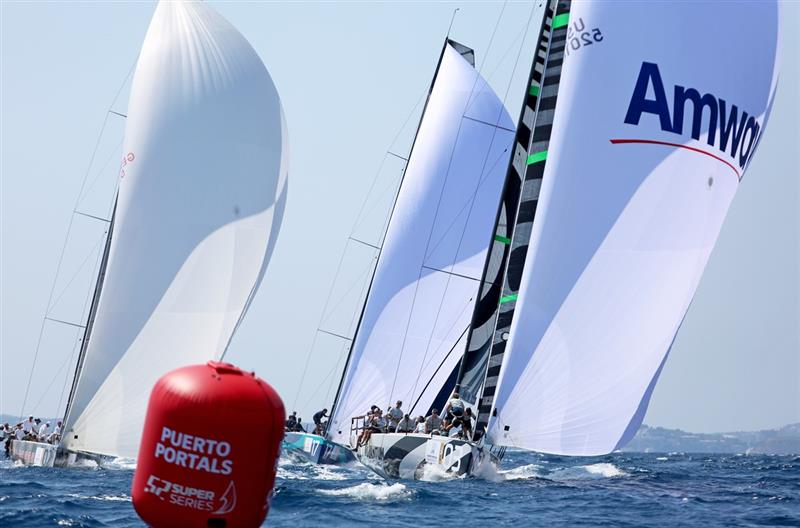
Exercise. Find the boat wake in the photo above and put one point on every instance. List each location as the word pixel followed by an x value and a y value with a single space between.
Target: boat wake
pixel 602 470
pixel 371 492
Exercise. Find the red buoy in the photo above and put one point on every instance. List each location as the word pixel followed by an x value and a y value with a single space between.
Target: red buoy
pixel 209 449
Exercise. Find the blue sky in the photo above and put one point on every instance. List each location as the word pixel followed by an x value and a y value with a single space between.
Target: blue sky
pixel 350 74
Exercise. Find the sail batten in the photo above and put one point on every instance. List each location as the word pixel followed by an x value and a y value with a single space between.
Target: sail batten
pixel 201 197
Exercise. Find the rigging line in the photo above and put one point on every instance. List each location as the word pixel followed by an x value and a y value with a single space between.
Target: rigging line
pixel 342 355
pixel 58 372
pixel 479 69
pixel 359 279
pixel 329 375
pixel 483 179
pixel 389 189
pixel 117 113
pixel 66 238
pixel 365 243
pixel 489 124
pixel 77 272
pixel 452 19
pixel 113 153
pixel 64 322
pixel 334 334
pixel 106 220
pixel 414 406
pixel 452 273
pixel 396 155
pixel 520 33
pixel 66 376
pixel 438 207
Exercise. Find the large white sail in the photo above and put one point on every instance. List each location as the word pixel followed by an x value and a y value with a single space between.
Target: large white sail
pixel 202 192
pixel 411 335
pixel 658 115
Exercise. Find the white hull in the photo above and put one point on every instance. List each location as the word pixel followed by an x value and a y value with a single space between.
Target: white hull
pixel 33 453
pixel 49 455
pixel 406 456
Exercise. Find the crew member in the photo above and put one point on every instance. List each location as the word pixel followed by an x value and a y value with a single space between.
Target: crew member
pixel 433 423
pixel 319 426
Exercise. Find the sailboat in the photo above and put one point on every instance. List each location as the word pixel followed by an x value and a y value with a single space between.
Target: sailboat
pixel 202 190
pixel 639 122
pixel 430 262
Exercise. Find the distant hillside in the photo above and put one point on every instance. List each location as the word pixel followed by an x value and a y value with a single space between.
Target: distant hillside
pixel 782 441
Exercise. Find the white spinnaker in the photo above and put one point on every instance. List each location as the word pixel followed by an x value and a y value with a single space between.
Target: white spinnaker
pixel 408 342
pixel 201 198
pixel 624 231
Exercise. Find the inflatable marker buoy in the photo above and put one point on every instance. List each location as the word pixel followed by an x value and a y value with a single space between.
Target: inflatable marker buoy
pixel 209 449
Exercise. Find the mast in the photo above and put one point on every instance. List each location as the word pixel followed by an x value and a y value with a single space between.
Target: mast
pixel 494 309
pixel 87 332
pixel 469 55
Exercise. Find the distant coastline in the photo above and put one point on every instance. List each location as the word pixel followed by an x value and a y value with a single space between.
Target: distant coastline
pixel 781 441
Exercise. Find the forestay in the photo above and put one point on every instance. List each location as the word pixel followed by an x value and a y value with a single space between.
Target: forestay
pixel 202 192
pixel 411 335
pixel 657 118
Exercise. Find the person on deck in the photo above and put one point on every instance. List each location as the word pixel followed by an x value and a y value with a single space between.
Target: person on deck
pixel 291 421
pixel 19 434
pixel 44 431
pixel 298 427
pixel 377 424
pixel 455 407
pixel 394 415
pixel 28 425
pixel 420 425
pixel 55 436
pixel 405 425
pixel 319 426
pixel 433 423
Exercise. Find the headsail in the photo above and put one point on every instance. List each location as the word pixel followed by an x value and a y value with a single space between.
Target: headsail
pixel 201 196
pixel 411 336
pixel 648 146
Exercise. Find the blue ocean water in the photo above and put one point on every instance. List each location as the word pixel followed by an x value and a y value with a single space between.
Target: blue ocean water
pixel 623 489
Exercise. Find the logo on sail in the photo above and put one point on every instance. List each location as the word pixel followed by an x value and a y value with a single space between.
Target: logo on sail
pixel 739 132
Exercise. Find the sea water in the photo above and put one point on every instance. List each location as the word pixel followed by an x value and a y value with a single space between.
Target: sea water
pixel 622 489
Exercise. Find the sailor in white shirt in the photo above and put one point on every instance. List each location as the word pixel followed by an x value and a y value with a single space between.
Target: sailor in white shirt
pixel 19 434
pixel 44 431
pixel 28 425
pixel 55 436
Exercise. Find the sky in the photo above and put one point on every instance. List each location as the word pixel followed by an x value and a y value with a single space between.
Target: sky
pixel 350 75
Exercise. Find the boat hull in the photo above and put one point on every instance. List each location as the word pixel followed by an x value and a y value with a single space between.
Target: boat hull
pixel 317 449
pixel 33 453
pixel 408 456
pixel 50 455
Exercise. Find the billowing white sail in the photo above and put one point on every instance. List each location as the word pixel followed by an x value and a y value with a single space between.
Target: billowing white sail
pixel 410 339
pixel 202 191
pixel 658 115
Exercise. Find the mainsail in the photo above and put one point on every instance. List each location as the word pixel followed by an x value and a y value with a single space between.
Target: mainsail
pixel 412 332
pixel 655 122
pixel 201 197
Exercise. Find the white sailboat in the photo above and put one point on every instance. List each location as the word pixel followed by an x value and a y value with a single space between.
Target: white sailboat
pixel 201 196
pixel 427 275
pixel 638 125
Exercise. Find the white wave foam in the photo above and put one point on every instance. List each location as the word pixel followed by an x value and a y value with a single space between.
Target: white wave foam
pixel 121 463
pixel 114 498
pixel 367 492
pixel 604 469
pixel 592 471
pixel 528 471
pixel 662 459
pixel 432 473
pixel 328 473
